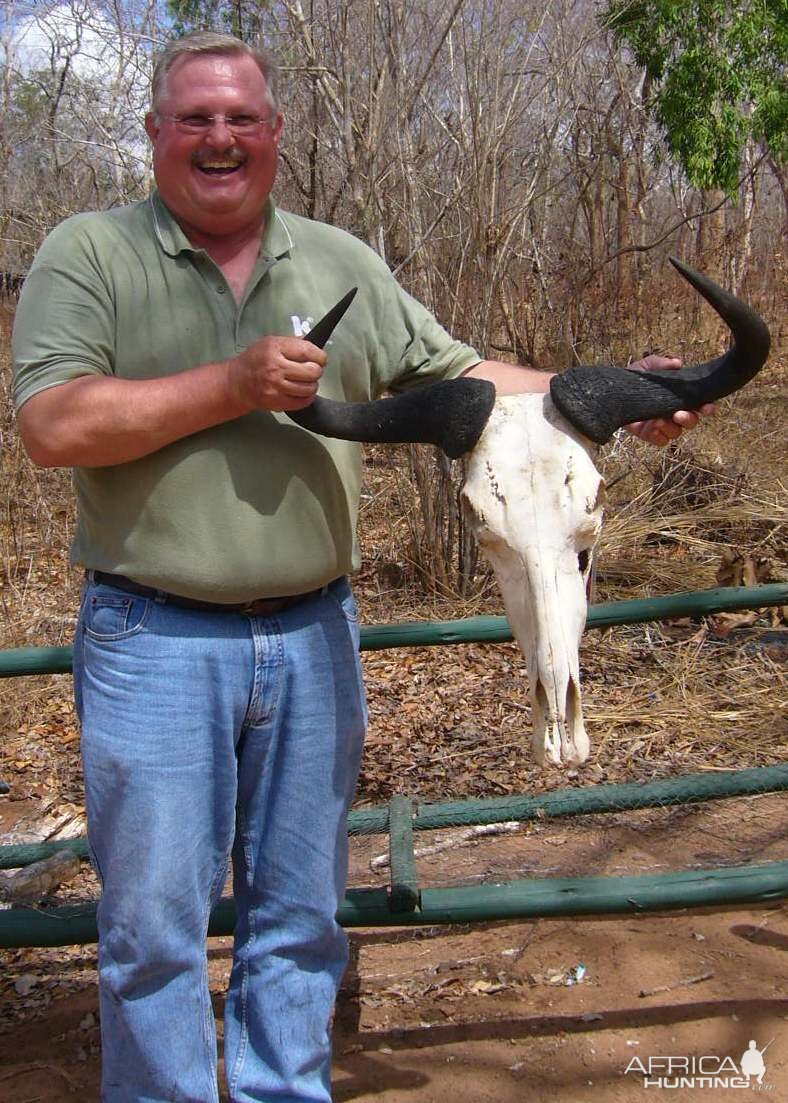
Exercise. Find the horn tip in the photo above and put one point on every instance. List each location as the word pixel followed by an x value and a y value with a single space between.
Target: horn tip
pixel 731 309
pixel 347 299
pixel 683 268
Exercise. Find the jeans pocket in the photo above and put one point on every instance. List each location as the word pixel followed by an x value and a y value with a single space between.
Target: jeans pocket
pixel 114 616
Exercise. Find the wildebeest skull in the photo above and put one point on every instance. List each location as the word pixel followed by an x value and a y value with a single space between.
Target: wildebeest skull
pixel 532 490
pixel 534 498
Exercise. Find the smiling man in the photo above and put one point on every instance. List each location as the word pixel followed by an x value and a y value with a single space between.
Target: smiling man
pixel 216 666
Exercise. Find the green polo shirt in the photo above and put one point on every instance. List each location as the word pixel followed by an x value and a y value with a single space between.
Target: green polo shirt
pixel 256 506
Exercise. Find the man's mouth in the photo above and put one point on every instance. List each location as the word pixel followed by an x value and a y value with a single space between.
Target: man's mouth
pixel 219 166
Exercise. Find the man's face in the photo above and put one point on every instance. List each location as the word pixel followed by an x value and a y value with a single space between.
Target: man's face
pixel 215 183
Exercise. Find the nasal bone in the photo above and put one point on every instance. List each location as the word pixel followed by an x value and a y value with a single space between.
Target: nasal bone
pixel 219 123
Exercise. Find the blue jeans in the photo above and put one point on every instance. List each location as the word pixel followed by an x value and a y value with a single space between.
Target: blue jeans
pixel 204 734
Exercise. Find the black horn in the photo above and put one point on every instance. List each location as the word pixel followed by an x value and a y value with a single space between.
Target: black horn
pixel 320 333
pixel 598 400
pixel 450 414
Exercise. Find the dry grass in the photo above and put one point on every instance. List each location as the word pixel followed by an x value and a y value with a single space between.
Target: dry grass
pixel 675 515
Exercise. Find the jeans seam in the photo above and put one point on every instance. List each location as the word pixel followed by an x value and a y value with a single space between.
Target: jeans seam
pixel 209 1025
pixel 95 862
pixel 243 1040
pixel 353 626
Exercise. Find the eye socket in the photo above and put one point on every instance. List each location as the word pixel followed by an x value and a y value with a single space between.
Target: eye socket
pixel 583 559
pixel 243 122
pixel 195 122
pixel 198 123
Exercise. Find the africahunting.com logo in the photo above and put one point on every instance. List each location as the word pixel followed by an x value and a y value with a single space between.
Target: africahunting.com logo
pixel 707 1071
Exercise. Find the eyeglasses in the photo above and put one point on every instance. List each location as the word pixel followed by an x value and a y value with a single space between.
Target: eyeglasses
pixel 202 124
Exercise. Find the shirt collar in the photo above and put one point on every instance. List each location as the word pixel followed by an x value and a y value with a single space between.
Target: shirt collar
pixel 277 241
pixel 170 235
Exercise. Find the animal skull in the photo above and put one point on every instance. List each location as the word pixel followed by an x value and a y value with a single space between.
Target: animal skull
pixel 534 498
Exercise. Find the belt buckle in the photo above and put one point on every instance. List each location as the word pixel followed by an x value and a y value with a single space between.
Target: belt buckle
pixel 263 606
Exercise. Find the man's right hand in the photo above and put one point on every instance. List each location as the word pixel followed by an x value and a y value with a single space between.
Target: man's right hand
pixel 277 373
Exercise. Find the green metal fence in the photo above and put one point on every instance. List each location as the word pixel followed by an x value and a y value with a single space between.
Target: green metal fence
pixel 404 901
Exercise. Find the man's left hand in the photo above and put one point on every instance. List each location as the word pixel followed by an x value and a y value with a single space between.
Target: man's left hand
pixel 660 431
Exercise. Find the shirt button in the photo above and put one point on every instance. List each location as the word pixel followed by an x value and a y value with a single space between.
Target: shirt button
pixel 221 289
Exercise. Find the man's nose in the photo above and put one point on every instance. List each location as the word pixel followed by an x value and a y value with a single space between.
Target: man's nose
pixel 219 132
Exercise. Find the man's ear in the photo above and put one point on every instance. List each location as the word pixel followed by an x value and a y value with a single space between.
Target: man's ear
pixel 151 126
pixel 276 127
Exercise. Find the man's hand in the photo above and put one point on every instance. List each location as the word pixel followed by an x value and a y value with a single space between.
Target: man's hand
pixel 660 431
pixel 277 373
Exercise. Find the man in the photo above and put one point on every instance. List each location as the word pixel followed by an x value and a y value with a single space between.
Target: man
pixel 216 661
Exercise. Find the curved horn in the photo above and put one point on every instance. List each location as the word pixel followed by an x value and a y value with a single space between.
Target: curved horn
pixel 598 400
pixel 450 414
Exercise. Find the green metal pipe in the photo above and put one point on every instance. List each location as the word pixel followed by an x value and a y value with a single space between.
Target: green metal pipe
pixel 404 882
pixel 700 603
pixel 35 660
pixel 689 788
pixel 24 854
pixel 568 896
pixel 686 789
pixel 76 925
pixel 603 615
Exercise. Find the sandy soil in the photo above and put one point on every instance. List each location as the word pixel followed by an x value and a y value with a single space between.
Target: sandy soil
pixel 479 1013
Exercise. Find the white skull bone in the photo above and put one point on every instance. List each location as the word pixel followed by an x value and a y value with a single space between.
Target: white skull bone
pixel 534 498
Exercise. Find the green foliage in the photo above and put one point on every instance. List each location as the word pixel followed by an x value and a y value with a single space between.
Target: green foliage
pixel 717 72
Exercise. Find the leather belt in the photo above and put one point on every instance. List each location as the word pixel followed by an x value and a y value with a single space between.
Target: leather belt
pixel 260 607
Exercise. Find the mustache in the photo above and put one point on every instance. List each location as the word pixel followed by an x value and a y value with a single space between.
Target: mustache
pixel 233 153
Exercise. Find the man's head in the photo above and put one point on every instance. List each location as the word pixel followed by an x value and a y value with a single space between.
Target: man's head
pixel 215 131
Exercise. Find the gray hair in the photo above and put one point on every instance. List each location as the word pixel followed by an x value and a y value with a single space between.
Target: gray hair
pixel 210 42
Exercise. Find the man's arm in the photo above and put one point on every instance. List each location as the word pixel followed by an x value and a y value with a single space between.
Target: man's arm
pixel 96 421
pixel 514 379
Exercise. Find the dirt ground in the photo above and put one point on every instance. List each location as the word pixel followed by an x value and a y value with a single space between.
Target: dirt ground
pixel 484 1012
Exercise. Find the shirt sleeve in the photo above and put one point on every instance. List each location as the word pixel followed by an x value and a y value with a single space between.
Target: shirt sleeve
pixel 64 324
